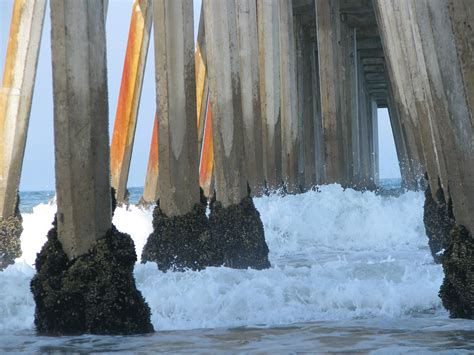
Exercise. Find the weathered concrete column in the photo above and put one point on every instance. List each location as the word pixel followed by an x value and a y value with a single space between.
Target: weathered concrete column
pixel 306 129
pixel 84 281
pixel 205 138
pixel 288 100
pixel 352 94
pixel 446 36
pixel 298 39
pixel 150 193
pixel 425 106
pixel 318 123
pixel 349 100
pixel 16 95
pixel 176 106
pixel 437 36
pixel 202 91
pixel 225 97
pixel 180 238
pixel 365 110
pixel 206 163
pixel 268 14
pixel 150 190
pixel 250 86
pixel 82 178
pixel 234 220
pixel 417 94
pixel 451 86
pixel 129 96
pixel 375 143
pixel 328 27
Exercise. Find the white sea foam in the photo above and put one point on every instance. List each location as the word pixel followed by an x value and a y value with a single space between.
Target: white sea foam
pixel 335 255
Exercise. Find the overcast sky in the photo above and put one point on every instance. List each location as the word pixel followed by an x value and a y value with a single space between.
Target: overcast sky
pixel 38 166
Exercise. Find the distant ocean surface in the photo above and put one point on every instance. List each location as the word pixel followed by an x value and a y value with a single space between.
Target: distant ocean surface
pixel 351 272
pixel 30 199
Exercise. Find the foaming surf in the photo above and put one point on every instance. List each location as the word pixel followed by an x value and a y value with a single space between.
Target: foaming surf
pixel 341 257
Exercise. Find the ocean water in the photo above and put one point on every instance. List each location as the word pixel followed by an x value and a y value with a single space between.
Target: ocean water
pixel 351 272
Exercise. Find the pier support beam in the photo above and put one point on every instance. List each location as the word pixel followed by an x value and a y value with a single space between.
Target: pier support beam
pixel 84 281
pixel 268 14
pixel 307 158
pixel 318 123
pixel 16 95
pixel 308 115
pixel 290 116
pixel 205 138
pixel 436 41
pixel 349 103
pixel 129 96
pixel 206 163
pixel 446 31
pixel 150 190
pixel 250 80
pixel 180 238
pixel 364 137
pixel 234 220
pixel 328 27
pixel 374 147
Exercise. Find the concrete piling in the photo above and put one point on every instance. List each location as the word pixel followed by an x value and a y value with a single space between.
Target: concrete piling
pixel 328 23
pixel 16 95
pixel 434 39
pixel 268 14
pixel 129 97
pixel 306 128
pixel 176 106
pixel 84 281
pixel 205 138
pixel 225 97
pixel 349 105
pixel 150 190
pixel 234 220
pixel 448 68
pixel 250 93
pixel 206 164
pixel 318 123
pixel 290 116
pixel 181 236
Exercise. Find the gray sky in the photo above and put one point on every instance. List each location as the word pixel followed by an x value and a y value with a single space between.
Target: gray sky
pixel 38 166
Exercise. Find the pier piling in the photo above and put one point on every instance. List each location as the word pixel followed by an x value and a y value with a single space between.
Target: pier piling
pixel 84 281
pixel 234 221
pixel 16 95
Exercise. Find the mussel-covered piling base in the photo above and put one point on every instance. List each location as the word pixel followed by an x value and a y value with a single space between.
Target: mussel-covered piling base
pixel 457 290
pixel 94 294
pixel 240 233
pixel 232 236
pixel 182 242
pixel 10 244
pixel 438 221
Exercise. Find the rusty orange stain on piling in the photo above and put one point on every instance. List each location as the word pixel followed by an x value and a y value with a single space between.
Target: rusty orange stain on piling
pixel 153 158
pixel 200 69
pixel 12 50
pixel 150 192
pixel 207 154
pixel 129 95
pixel 9 68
